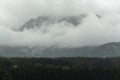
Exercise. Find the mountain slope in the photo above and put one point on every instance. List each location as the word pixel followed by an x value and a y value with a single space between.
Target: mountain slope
pixel 109 49
pixel 106 50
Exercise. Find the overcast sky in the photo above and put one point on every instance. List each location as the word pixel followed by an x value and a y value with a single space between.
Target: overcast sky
pixel 14 13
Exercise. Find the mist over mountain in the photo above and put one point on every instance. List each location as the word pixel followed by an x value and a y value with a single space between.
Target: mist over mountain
pixel 45 20
pixel 68 36
pixel 37 27
pixel 67 31
pixel 59 39
pixel 105 50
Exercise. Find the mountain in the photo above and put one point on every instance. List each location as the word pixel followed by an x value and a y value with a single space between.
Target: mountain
pixel 45 20
pixel 105 50
pixel 109 49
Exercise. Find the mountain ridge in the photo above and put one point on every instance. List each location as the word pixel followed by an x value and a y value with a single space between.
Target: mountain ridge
pixel 106 50
pixel 46 20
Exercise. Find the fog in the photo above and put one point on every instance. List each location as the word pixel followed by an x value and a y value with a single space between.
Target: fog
pixel 92 31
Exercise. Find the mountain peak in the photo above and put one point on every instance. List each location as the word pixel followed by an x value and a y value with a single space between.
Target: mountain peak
pixel 46 20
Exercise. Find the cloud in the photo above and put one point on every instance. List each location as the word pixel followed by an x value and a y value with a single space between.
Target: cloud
pixel 92 31
pixel 16 12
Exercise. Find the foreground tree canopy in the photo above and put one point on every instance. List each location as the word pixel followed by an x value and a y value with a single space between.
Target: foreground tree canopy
pixel 60 68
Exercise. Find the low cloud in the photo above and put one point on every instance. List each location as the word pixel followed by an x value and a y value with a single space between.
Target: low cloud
pixel 92 30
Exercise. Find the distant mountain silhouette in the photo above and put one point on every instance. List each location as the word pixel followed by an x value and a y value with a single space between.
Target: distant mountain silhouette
pixel 45 20
pixel 105 50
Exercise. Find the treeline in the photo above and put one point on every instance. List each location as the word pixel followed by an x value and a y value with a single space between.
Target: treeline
pixel 78 68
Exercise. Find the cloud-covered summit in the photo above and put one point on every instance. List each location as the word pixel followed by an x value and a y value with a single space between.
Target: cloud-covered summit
pixel 44 24
pixel 92 30
pixel 45 20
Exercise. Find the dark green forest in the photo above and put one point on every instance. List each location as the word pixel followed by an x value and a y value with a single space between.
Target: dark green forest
pixel 74 68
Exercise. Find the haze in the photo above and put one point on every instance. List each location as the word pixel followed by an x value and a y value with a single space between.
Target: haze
pixel 92 30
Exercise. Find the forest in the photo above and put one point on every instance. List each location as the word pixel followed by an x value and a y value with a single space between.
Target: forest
pixel 72 68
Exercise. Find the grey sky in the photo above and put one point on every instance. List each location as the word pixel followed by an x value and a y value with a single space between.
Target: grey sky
pixel 14 13
pixel 21 10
